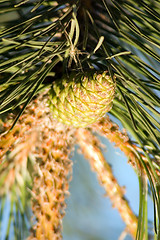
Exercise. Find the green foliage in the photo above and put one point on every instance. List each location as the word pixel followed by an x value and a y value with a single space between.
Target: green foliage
pixel 47 39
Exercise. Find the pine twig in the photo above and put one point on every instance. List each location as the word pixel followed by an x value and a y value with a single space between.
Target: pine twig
pixel 90 148
pixel 110 130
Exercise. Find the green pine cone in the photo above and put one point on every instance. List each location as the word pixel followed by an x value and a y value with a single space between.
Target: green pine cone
pixel 81 100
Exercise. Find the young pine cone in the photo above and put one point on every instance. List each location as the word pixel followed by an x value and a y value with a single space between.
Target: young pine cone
pixel 80 100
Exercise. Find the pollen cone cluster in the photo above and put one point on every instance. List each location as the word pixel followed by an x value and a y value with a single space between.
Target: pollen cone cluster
pixel 49 143
pixel 80 100
pixel 15 149
pixel 52 174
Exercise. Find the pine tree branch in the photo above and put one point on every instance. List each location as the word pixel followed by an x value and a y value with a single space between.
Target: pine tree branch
pixel 38 47
pixel 90 148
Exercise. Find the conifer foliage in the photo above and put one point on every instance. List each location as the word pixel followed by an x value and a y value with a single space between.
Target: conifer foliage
pixel 77 62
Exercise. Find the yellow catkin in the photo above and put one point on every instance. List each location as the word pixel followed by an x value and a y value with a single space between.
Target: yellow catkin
pixel 90 148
